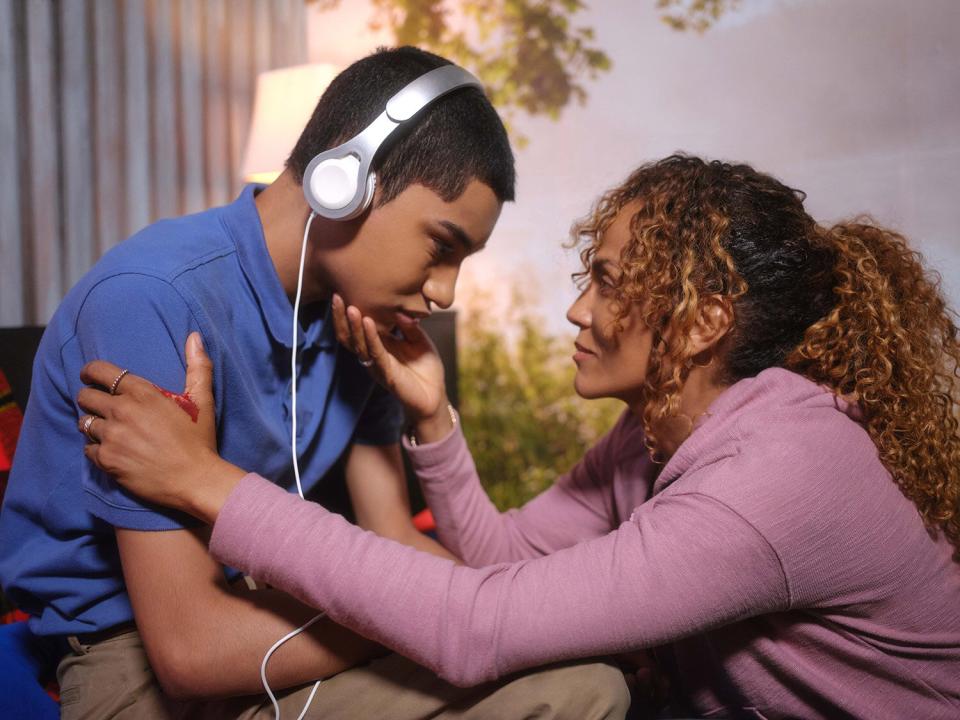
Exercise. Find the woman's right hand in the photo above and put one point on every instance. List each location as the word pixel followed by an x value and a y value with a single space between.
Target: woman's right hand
pixel 410 367
pixel 159 445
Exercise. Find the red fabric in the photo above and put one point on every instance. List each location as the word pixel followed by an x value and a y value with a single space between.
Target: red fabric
pixel 424 522
pixel 13 616
pixel 10 421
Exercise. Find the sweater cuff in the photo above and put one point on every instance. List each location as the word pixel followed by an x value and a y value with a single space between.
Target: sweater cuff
pixel 425 457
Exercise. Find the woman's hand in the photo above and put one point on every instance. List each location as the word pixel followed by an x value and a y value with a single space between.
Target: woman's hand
pixel 159 445
pixel 409 367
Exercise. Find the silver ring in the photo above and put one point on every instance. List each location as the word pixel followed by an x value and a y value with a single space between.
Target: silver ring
pixel 365 363
pixel 116 381
pixel 85 427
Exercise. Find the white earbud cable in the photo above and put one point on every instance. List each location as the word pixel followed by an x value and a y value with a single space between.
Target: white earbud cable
pixel 296 475
pixel 293 356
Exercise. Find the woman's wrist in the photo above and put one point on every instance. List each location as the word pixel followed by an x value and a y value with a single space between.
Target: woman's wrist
pixel 208 495
pixel 436 426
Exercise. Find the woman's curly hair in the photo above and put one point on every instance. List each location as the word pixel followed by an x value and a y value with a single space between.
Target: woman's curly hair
pixel 850 307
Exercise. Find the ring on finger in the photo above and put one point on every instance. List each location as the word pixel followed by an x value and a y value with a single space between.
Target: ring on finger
pixel 366 363
pixel 116 381
pixel 85 426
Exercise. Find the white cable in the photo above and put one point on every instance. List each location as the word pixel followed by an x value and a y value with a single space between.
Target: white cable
pixel 296 474
pixel 293 354
pixel 266 658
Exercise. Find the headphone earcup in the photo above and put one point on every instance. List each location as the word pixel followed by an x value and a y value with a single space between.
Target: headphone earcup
pixel 333 183
pixel 367 194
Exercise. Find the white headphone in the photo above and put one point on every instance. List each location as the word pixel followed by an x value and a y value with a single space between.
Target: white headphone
pixel 338 183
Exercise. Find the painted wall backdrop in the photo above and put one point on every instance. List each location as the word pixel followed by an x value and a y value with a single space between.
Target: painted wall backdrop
pixel 857 102
pixel 116 112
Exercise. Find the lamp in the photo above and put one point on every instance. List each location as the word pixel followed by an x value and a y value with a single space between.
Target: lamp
pixel 285 100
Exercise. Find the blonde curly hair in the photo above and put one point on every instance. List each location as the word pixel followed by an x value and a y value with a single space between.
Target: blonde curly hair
pixel 851 307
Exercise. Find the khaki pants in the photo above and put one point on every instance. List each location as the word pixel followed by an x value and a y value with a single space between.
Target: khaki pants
pixel 112 679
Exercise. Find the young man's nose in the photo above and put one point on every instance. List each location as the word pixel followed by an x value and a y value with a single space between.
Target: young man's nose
pixel 439 292
pixel 440 289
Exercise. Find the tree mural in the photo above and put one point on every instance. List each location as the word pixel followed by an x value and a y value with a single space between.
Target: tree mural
pixel 697 15
pixel 534 56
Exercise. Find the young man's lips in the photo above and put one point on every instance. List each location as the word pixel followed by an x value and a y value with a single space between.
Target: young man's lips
pixel 412 316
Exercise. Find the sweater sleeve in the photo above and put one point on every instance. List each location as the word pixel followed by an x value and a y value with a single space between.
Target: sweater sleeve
pixel 682 564
pixel 577 507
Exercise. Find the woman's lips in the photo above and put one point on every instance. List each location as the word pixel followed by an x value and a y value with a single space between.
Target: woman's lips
pixel 582 353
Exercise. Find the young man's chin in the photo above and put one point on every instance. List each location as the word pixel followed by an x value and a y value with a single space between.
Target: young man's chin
pixel 386 326
pixel 384 318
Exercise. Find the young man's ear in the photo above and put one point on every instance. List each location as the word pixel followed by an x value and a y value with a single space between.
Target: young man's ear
pixel 714 321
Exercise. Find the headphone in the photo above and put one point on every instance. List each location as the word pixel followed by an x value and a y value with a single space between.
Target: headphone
pixel 338 183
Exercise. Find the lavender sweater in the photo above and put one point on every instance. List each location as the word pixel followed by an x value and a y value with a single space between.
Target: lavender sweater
pixel 773 556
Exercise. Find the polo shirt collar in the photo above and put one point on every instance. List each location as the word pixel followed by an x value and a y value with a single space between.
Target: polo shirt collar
pixel 242 222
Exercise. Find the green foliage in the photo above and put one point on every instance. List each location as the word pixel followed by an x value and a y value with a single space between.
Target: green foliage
pixel 698 15
pixel 529 54
pixel 523 420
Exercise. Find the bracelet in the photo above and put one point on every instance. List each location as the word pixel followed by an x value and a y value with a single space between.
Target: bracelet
pixel 412 439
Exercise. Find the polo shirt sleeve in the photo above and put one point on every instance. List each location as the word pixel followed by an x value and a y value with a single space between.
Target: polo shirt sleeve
pixel 138 322
pixel 381 422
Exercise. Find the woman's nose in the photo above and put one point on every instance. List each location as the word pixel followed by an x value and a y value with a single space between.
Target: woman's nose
pixel 579 311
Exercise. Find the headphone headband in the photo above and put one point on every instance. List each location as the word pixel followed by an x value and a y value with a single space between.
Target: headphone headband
pixel 338 183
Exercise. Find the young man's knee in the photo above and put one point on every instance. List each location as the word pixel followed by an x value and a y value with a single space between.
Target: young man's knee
pixel 587 691
pixel 604 691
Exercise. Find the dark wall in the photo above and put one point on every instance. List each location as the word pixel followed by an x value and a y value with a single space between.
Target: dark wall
pixel 17 348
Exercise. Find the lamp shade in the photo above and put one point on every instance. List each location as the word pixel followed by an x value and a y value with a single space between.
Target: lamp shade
pixel 284 102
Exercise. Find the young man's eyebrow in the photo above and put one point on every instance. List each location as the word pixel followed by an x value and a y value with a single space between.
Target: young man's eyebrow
pixel 460 236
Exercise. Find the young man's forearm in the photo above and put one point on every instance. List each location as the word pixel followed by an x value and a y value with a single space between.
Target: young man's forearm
pixel 377 484
pixel 219 653
pixel 204 639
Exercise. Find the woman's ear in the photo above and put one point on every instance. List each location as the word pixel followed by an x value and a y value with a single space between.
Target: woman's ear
pixel 714 321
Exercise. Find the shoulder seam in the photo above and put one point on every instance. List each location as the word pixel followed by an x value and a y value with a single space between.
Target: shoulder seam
pixel 203 260
pixel 97 284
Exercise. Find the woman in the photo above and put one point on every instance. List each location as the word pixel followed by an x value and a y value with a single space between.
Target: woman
pixel 777 511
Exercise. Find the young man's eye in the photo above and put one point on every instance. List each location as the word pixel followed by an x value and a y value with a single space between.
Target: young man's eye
pixel 440 248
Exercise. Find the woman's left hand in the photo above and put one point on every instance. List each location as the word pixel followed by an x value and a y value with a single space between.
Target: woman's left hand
pixel 408 366
pixel 157 444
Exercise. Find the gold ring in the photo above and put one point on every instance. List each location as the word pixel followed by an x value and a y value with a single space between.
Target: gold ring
pixel 116 381
pixel 85 426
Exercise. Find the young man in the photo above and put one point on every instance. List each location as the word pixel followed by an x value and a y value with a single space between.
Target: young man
pixel 131 586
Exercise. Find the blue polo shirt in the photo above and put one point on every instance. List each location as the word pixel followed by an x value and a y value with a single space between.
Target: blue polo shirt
pixel 209 272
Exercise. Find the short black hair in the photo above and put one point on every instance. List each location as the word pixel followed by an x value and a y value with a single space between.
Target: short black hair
pixel 451 142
